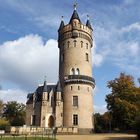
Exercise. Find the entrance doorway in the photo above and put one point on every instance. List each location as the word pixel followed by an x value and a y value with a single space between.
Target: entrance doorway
pixel 51 121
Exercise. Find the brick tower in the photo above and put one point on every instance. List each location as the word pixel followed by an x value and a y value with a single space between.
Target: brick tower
pixel 75 72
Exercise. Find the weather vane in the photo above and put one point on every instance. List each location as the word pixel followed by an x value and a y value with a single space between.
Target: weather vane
pixel 62 17
pixel 45 77
pixel 75 5
pixel 88 17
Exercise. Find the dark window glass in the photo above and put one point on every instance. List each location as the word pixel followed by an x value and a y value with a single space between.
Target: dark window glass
pixel 75 119
pixel 87 59
pixel 75 100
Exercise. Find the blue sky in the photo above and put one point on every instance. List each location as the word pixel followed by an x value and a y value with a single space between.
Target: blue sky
pixel 28 43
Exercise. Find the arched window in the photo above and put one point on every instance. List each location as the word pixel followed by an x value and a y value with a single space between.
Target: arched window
pixel 68 43
pixel 72 71
pixel 77 72
pixel 87 58
pixel 81 44
pixel 74 43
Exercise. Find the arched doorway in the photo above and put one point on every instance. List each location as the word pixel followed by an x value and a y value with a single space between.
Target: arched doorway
pixel 51 121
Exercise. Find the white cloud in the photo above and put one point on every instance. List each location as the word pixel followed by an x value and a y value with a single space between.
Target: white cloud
pixel 97 58
pixel 134 26
pixel 13 95
pixel 27 60
pixel 123 51
pixel 119 47
pixel 47 21
pixel 100 109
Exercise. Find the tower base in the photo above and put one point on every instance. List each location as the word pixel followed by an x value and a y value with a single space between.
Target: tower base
pixel 85 131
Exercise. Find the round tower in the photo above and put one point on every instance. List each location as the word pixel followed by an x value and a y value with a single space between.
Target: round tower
pixel 75 72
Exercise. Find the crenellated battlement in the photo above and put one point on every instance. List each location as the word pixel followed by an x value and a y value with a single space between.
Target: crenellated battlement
pixel 71 31
pixel 79 27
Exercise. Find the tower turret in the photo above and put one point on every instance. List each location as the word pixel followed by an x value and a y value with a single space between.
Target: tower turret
pixel 88 22
pixel 75 72
pixel 74 15
pixel 61 24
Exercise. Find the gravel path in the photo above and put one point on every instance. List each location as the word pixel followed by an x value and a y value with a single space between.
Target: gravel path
pixel 97 137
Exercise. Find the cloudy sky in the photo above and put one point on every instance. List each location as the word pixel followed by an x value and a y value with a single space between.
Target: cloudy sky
pixel 28 43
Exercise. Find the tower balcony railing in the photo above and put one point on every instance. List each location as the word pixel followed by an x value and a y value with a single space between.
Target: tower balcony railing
pixel 81 79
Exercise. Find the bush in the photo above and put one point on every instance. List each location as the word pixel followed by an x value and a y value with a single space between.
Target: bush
pixel 3 123
pixel 98 129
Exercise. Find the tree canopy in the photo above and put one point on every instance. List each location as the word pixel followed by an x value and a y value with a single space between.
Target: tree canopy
pixel 15 113
pixel 123 102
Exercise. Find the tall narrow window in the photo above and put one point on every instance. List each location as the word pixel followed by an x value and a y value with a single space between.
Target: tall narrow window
pixel 75 119
pixel 68 43
pixel 78 71
pixel 75 100
pixel 88 88
pixel 62 57
pixel 81 44
pixel 72 71
pixel 78 87
pixel 74 43
pixel 87 45
pixel 71 88
pixel 52 101
pixel 87 59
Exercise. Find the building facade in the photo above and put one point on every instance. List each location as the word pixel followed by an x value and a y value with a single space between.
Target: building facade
pixel 70 102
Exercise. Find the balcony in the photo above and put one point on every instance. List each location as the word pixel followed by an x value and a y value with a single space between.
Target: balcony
pixel 79 79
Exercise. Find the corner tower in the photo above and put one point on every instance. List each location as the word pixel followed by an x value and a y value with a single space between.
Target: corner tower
pixel 75 72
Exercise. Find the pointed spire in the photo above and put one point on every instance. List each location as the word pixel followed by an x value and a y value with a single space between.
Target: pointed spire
pixel 62 23
pixel 45 85
pixel 75 14
pixel 59 87
pixel 88 22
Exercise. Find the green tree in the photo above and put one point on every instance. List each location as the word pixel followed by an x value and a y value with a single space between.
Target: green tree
pixel 123 102
pixel 15 113
pixel 102 122
pixel 3 123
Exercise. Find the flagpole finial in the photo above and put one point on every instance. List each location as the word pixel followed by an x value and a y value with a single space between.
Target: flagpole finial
pixel 62 18
pixel 88 17
pixel 75 5
pixel 45 78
